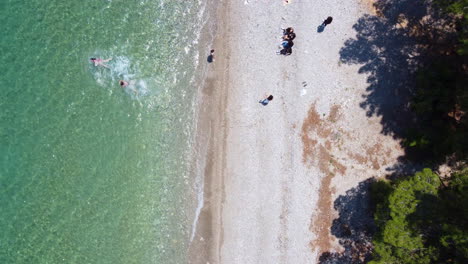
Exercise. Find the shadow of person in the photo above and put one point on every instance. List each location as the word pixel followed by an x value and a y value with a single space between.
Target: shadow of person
pixel 321 28
pixel 210 58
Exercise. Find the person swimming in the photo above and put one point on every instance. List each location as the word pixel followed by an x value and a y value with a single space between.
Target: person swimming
pixel 100 62
pixel 123 83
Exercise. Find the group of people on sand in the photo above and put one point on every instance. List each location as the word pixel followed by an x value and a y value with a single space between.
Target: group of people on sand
pixel 287 41
pixel 100 62
pixel 287 44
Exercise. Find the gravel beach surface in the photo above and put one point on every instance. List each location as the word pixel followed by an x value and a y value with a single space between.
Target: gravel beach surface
pixel 274 173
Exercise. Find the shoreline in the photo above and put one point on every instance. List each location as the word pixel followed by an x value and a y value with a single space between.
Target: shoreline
pixel 211 132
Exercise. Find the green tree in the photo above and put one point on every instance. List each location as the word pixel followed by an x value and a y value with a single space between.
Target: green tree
pixel 421 221
pixel 453 214
pixel 397 241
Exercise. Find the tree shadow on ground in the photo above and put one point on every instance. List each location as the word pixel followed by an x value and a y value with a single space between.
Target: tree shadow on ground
pixel 392 46
pixel 354 227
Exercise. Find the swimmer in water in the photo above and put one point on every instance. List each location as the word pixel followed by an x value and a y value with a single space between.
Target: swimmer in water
pixel 123 83
pixel 100 62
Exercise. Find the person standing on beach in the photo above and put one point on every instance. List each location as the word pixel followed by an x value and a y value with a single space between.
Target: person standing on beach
pixel 266 100
pixel 210 58
pixel 327 21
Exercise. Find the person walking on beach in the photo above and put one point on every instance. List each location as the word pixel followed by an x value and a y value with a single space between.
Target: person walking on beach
pixel 210 58
pixel 266 100
pixel 100 62
pixel 327 21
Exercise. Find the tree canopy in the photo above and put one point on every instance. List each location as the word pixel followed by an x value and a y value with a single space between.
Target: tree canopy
pixel 420 221
pixel 440 100
pixel 459 8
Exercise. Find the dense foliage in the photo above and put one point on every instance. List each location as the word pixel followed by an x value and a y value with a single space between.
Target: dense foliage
pixel 421 221
pixel 441 99
pixel 459 8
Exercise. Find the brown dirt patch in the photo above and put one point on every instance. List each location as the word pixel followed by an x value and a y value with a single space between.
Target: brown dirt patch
pixel 340 168
pixel 324 132
pixel 373 154
pixel 323 220
pixel 315 131
pixel 328 144
pixel 374 150
pixel 334 113
pixel 309 149
pixel 312 121
pixel 357 157
pixel 375 164
pixel 310 124
pixel 324 159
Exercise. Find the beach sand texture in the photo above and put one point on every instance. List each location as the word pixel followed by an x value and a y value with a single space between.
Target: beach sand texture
pixel 273 172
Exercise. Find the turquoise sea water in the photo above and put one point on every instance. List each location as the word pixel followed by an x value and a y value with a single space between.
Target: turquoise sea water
pixel 91 172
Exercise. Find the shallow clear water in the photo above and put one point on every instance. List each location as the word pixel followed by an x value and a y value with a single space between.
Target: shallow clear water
pixel 91 172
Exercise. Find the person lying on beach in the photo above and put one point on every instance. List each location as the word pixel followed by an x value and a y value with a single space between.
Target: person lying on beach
pixel 266 100
pixel 100 62
pixel 123 83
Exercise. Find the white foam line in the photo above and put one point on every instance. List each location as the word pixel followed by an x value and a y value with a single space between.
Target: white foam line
pixel 201 201
pixel 199 176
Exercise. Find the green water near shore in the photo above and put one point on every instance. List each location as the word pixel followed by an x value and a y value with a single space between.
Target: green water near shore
pixel 91 172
